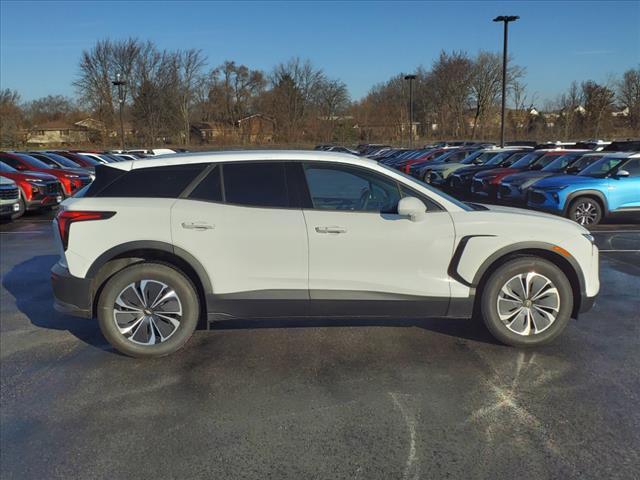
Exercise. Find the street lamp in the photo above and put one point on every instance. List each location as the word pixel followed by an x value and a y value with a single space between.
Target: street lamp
pixel 120 83
pixel 505 19
pixel 411 78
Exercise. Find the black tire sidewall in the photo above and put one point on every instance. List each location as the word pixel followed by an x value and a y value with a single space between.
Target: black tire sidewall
pixel 510 269
pixel 578 201
pixel 153 271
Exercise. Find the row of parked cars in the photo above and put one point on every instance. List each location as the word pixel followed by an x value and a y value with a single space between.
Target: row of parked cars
pixel 40 180
pixel 586 181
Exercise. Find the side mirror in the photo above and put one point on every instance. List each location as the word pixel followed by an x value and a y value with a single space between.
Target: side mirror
pixel 413 208
pixel 19 166
pixel 572 170
pixel 477 161
pixel 622 173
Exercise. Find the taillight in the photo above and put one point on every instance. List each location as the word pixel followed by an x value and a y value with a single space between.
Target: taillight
pixel 66 217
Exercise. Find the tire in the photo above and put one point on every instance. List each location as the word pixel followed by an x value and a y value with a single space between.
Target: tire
pixel 134 334
pixel 585 211
pixel 21 210
pixel 558 302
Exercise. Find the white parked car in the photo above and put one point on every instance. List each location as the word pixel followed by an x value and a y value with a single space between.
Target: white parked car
pixel 152 248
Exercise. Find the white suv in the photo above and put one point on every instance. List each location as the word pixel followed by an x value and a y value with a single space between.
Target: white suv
pixel 152 248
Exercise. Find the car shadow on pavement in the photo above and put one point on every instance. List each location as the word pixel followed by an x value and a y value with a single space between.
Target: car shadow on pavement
pixel 29 283
pixel 463 329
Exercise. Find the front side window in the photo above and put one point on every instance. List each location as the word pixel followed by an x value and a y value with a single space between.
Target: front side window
pixel 633 167
pixel 602 167
pixel 256 184
pixel 341 187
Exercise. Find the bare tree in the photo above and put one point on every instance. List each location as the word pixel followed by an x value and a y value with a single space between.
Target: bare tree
pixel 570 104
pixel 598 102
pixel 11 118
pixel 452 75
pixel 486 85
pixel 98 67
pixel 51 108
pixel 629 97
pixel 188 68
pixel 294 87
pixel 332 99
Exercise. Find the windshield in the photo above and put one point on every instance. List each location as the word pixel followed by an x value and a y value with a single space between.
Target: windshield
pixel 6 168
pixel 527 160
pixel 33 162
pixel 585 161
pixel 561 162
pixel 602 167
pixel 65 162
pixel 546 160
pixel 89 160
pixel 469 159
pixel 437 193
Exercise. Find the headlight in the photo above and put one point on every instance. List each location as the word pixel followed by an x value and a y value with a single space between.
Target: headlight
pixel 35 181
pixel 589 237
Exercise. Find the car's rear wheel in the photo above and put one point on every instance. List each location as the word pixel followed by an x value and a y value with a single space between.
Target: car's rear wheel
pixel 585 211
pixel 527 301
pixel 148 310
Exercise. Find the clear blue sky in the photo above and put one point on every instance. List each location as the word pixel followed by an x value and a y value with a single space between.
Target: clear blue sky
pixel 362 43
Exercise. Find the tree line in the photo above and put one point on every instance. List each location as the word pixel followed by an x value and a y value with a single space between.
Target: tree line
pixel 457 96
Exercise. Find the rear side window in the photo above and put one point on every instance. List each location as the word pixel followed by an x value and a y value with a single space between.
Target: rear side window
pixel 633 167
pixel 255 184
pixel 159 182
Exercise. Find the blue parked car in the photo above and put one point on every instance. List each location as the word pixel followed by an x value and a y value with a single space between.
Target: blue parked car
pixel 609 186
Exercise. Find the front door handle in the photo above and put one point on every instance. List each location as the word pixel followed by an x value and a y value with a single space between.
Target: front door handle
pixel 331 229
pixel 197 226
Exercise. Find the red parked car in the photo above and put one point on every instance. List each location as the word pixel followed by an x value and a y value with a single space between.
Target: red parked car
pixel 83 161
pixel 71 181
pixel 37 190
pixel 486 182
pixel 405 166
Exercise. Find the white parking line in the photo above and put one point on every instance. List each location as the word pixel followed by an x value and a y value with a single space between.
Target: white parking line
pixel 606 251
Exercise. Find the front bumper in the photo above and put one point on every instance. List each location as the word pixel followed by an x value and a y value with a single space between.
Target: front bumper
pixel 72 295
pixel 511 193
pixel 545 201
pixel 8 209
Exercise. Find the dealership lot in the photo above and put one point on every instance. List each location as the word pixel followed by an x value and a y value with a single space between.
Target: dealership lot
pixel 342 399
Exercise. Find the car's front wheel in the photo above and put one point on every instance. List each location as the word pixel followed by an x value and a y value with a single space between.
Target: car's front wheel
pixel 585 211
pixel 148 310
pixel 527 301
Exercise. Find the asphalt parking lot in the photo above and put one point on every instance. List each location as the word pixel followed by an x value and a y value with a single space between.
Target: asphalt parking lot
pixel 322 400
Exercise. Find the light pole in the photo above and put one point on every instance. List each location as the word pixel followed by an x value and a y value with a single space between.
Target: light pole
pixel 411 78
pixel 120 83
pixel 505 19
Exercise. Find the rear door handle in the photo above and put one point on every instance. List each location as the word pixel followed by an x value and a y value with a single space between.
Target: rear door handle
pixel 331 229
pixel 197 226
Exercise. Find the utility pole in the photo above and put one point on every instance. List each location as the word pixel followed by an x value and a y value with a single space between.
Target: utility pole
pixel 411 78
pixel 120 83
pixel 505 19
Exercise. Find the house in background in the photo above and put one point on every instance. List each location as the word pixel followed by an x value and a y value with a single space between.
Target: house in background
pixel 56 133
pixel 256 128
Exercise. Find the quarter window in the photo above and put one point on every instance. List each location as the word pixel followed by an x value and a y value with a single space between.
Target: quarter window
pixel 335 187
pixel 159 182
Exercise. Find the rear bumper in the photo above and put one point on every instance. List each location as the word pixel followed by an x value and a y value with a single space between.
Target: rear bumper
pixel 72 295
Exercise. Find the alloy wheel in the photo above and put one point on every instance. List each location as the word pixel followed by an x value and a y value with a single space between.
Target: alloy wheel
pixel 147 312
pixel 586 213
pixel 528 303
